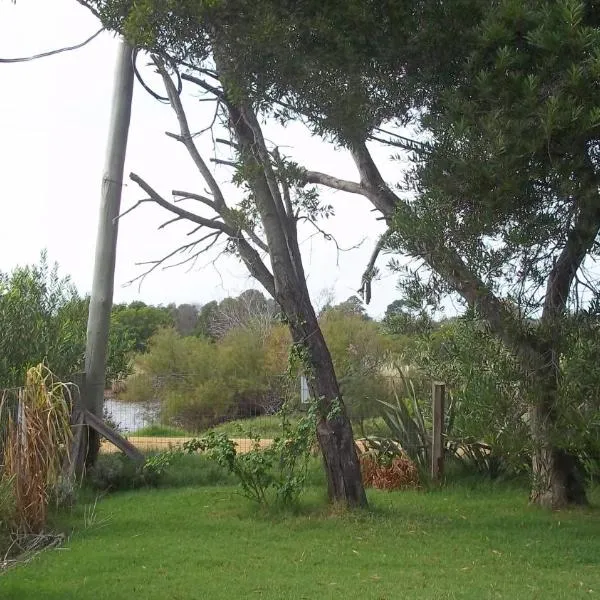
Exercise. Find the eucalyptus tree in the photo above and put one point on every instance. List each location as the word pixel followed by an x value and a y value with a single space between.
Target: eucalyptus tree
pixel 262 230
pixel 501 204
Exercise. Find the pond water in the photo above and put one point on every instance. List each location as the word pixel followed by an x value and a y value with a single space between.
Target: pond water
pixel 131 416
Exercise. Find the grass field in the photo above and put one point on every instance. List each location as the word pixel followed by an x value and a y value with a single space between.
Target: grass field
pixel 266 426
pixel 209 543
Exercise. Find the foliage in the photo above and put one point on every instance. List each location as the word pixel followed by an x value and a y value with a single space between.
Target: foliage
pixel 184 318
pixel 401 320
pixel 360 353
pixel 115 472
pixel 41 319
pixel 409 433
pixel 250 310
pixel 7 513
pixel 36 446
pixel 157 430
pixel 280 469
pixel 138 322
pixel 201 383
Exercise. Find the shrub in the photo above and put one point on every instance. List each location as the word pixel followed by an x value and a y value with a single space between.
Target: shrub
pixel 277 473
pixel 115 472
pixel 398 473
pixel 202 383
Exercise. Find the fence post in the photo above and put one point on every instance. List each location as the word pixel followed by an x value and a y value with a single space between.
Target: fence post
pixel 438 393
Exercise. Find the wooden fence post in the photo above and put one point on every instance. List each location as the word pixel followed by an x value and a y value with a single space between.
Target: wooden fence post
pixel 438 393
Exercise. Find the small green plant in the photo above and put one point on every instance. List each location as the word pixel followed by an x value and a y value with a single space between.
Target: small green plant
pixel 409 433
pixel 277 472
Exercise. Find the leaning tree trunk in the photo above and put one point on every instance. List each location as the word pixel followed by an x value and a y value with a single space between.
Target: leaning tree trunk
pixel 334 430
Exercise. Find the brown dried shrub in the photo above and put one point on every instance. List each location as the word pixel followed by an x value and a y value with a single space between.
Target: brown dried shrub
pixel 395 474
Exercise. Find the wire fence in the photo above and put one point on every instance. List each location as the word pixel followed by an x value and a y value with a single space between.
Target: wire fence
pixel 158 424
pixel 170 419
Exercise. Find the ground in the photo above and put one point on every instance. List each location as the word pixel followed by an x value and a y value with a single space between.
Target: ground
pixel 209 543
pixel 152 443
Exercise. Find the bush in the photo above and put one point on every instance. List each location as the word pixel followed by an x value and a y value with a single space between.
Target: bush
pixel 360 351
pixel 202 383
pixel 116 472
pixel 398 473
pixel 277 473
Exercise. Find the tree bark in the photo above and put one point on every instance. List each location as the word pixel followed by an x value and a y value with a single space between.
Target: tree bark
pixel 557 478
pixel 334 429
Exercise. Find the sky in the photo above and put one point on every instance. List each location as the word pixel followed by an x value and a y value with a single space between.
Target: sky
pixel 54 115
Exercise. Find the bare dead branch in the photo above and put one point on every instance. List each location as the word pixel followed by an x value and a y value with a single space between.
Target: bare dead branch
pixel 328 237
pixel 186 136
pixel 170 221
pixel 227 143
pixel 219 161
pixel 213 120
pixel 180 195
pixel 184 214
pixel 200 226
pixel 138 203
pixel 194 257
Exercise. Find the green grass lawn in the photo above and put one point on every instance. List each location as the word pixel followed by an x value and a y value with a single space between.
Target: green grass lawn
pixel 209 543
pixel 266 426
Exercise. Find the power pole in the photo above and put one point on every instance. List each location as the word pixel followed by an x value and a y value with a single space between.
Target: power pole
pixel 106 246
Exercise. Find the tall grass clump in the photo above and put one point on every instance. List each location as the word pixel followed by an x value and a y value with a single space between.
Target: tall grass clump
pixel 38 436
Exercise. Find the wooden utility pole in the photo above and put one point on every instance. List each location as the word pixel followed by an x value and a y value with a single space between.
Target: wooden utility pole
pixel 106 246
pixel 438 393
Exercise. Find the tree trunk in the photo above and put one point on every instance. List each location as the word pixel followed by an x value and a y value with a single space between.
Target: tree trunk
pixel 334 430
pixel 557 478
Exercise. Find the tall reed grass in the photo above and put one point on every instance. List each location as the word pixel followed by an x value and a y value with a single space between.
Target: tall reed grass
pixel 37 443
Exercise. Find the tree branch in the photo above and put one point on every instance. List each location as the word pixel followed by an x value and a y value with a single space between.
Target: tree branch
pixel 580 240
pixel 186 136
pixel 179 196
pixel 184 214
pixel 334 183
pixel 445 261
pixel 370 271
pixel 205 86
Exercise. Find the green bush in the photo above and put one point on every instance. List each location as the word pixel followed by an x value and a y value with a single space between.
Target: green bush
pixel 360 353
pixel 202 383
pixel 116 472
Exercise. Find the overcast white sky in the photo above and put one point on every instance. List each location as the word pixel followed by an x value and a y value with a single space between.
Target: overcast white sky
pixel 53 126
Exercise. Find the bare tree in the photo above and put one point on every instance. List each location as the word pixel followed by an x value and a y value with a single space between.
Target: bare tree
pixel 264 225
pixel 249 310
